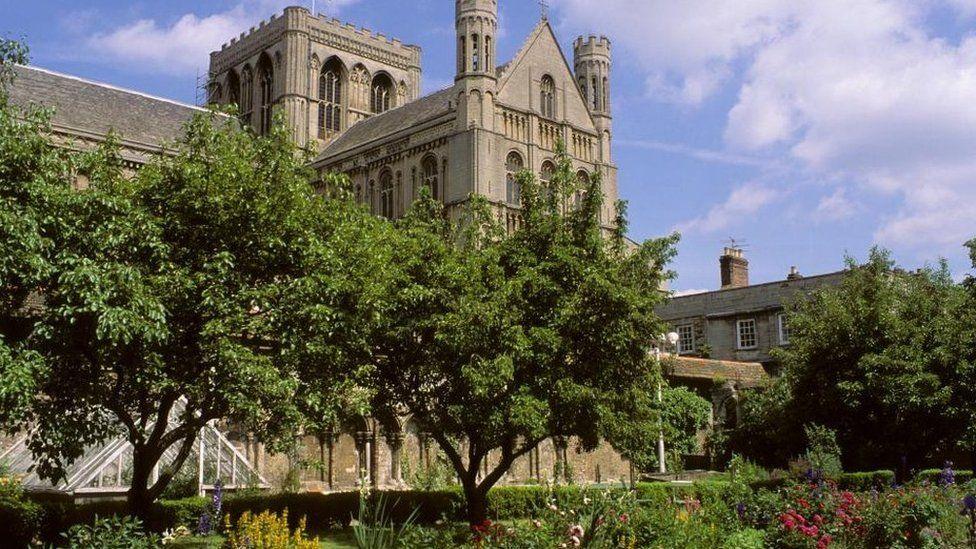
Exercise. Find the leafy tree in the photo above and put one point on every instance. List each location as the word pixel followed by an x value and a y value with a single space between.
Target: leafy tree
pixel 163 293
pixel 493 343
pixel 871 360
pixel 683 415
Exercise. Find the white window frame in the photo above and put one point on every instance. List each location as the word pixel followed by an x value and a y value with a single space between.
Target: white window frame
pixel 783 328
pixel 738 334
pixel 682 350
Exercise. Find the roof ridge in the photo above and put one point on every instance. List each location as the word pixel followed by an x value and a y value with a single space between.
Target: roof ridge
pixel 113 87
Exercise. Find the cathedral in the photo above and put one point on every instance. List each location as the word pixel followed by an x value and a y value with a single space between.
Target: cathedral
pixel 353 97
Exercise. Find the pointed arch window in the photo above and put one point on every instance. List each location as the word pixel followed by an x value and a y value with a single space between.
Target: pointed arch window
pixel 583 184
pixel 429 169
pixel 232 86
pixel 547 97
pixel 545 177
pixel 487 53
pixel 386 194
pixel 247 95
pixel 330 99
pixel 513 190
pixel 381 98
pixel 583 90
pixel 596 95
pixel 606 94
pixel 266 83
pixel 463 58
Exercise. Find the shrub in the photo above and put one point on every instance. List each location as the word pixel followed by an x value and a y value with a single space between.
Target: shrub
pixel 267 531
pixel 823 452
pixel 745 539
pixel 111 532
pixel 934 476
pixel 20 521
pixel 866 481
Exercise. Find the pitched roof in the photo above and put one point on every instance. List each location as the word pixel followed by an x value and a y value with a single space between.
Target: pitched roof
pixel 393 121
pixel 704 368
pixel 758 297
pixel 92 109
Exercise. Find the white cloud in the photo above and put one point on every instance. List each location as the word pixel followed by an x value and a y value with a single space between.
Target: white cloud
pixel 705 155
pixel 864 92
pixel 184 47
pixel 835 207
pixel 743 203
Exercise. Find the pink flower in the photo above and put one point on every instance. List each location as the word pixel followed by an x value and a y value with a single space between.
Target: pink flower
pixel 623 518
pixel 576 531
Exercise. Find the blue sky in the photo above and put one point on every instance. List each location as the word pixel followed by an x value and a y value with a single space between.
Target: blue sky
pixel 810 129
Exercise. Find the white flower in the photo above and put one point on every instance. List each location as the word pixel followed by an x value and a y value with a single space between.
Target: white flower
pixel 552 507
pixel 586 500
pixel 576 531
pixel 575 541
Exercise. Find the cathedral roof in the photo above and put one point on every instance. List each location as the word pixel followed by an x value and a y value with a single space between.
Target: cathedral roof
pixel 391 122
pixel 86 109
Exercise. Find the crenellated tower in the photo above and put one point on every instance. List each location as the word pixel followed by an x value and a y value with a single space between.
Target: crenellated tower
pixel 476 23
pixel 592 62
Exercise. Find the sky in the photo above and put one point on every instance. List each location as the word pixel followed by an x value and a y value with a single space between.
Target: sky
pixel 807 129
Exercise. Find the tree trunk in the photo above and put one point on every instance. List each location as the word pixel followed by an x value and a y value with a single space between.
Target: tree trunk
pixel 477 502
pixel 139 499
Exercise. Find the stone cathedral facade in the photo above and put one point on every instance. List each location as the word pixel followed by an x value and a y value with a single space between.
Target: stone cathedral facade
pixel 353 97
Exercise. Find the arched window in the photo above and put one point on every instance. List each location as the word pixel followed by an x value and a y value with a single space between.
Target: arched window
pixel 487 53
pixel 548 168
pixel 582 85
pixel 233 88
pixel 463 58
pixel 381 98
pixel 247 94
pixel 429 168
pixel 359 193
pixel 475 53
pixel 583 180
pixel 547 97
pixel 513 191
pixel 266 83
pixel 330 98
pixel 386 194
pixel 606 94
pixel 596 95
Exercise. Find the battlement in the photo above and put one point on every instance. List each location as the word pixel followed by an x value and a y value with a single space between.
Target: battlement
pixel 591 46
pixel 299 18
pixel 475 4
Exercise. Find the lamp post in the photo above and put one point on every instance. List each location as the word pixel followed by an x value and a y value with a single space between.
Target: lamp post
pixel 670 338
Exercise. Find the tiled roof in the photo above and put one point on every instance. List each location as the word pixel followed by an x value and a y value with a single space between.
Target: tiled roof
pixel 92 109
pixel 391 122
pixel 703 368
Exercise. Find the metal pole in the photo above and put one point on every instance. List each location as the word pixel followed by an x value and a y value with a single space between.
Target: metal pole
pixel 661 466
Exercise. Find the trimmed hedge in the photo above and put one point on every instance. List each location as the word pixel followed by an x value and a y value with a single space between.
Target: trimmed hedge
pixel 865 481
pixel 932 476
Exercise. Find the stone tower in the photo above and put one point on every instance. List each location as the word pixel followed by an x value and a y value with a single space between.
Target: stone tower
pixel 476 23
pixel 591 60
pixel 323 75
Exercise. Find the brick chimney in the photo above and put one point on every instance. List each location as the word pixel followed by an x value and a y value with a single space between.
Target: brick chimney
pixel 735 269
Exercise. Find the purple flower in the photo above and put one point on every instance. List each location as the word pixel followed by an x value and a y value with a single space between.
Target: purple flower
pixel 969 502
pixel 204 528
pixel 218 498
pixel 740 509
pixel 947 477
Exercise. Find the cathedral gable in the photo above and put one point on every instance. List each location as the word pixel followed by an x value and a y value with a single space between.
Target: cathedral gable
pixel 520 83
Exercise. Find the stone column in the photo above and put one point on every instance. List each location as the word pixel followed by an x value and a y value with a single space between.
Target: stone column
pixel 559 444
pixel 362 450
pixel 395 440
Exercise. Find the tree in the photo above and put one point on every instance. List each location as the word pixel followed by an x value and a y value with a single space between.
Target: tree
pixel 161 292
pixel 682 414
pixel 872 359
pixel 493 343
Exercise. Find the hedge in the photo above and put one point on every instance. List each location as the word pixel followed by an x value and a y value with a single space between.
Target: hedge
pixel 932 476
pixel 50 517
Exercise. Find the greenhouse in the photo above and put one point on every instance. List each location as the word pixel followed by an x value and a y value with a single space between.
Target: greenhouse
pixel 105 470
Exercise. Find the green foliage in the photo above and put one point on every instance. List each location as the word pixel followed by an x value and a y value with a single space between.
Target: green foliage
pixel 111 533
pixel 375 527
pixel 744 471
pixel 20 520
pixel 216 282
pixel 866 481
pixel 885 360
pixel 504 341
pixel 823 452
pixel 439 475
